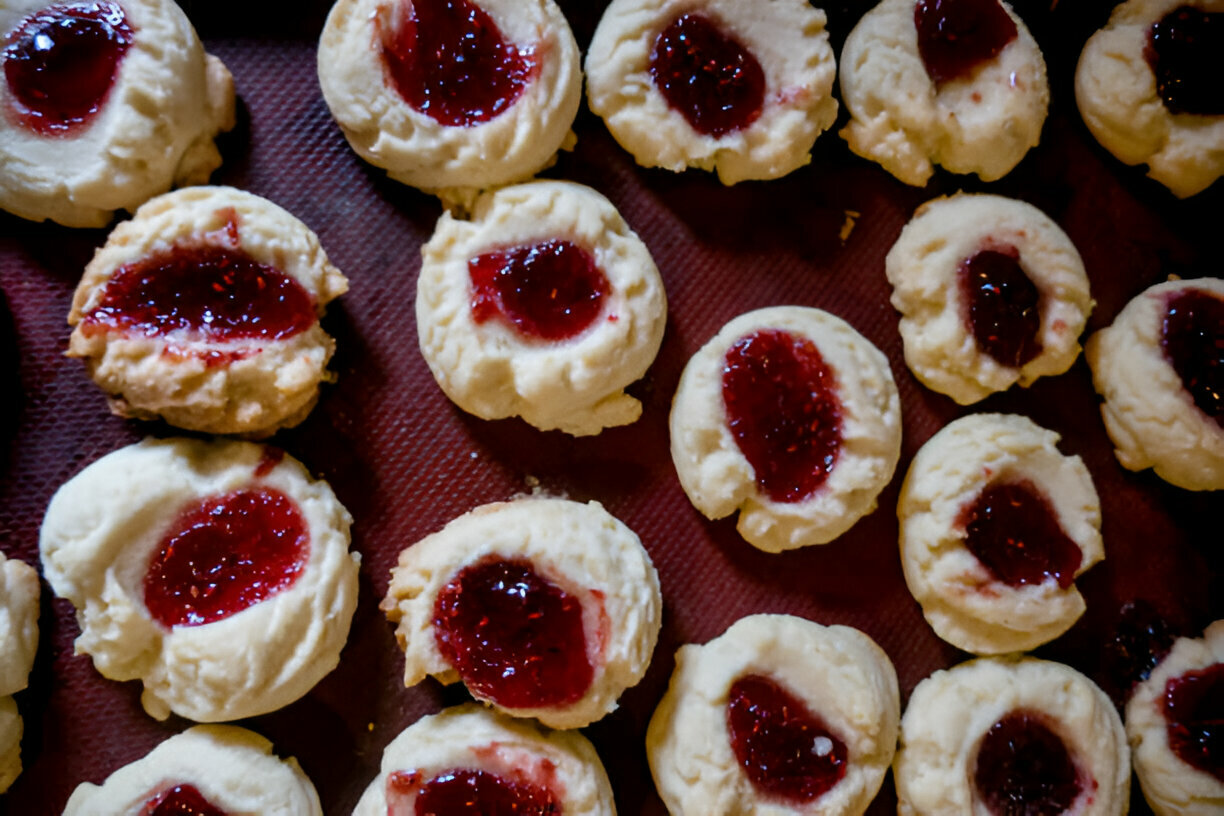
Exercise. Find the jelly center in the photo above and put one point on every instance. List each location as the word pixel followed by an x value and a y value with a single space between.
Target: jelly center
pixel 1194 712
pixel 1024 769
pixel 551 290
pixel 1193 340
pixel 1002 306
pixel 786 750
pixel 1012 529
pixel 1186 52
pixel 515 637
pixel 181 800
pixel 468 792
pixel 707 76
pixel 956 36
pixel 783 411
pixel 224 554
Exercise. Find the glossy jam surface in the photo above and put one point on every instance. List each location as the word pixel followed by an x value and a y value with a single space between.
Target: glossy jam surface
pixel 226 553
pixel 707 76
pixel 783 410
pixel 1003 306
pixel 181 800
pixel 1024 769
pixel 468 792
pixel 1193 340
pixel 956 36
pixel 61 62
pixel 1194 712
pixel 1012 528
pixel 786 750
pixel 1186 52
pixel 551 290
pixel 449 60
pixel 1139 641
pixel 515 637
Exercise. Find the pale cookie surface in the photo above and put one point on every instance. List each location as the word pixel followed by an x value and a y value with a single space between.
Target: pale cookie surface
pixel 11 729
pixel 716 474
pixel 787 38
pixel 1150 416
pixel 901 119
pixel 233 769
pixel 1115 89
pixel 153 129
pixel 19 593
pixel 108 528
pixel 578 549
pixel 471 738
pixel 200 375
pixel 842 677
pixel 926 265
pixel 494 365
pixel 950 713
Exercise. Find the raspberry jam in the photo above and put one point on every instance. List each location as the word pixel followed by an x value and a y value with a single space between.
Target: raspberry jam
pixel 1024 769
pixel 1013 530
pixel 224 554
pixel 1194 712
pixel 707 76
pixel 181 800
pixel 449 60
pixel 1002 304
pixel 783 410
pixel 1193 340
pixel 786 750
pixel 956 36
pixel 515 637
pixel 60 64
pixel 1186 52
pixel 551 290
pixel 467 792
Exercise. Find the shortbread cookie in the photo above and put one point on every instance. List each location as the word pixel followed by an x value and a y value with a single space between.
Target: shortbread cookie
pixel 991 293
pixel 105 105
pixel 1148 88
pixel 204 310
pixel 996 524
pixel 958 84
pixel 205 769
pixel 791 417
pixel 472 760
pixel 544 304
pixel 217 573
pixel 571 595
pixel 452 96
pixel 1160 368
pixel 1016 735
pixel 741 88
pixel 776 716
pixel 18 642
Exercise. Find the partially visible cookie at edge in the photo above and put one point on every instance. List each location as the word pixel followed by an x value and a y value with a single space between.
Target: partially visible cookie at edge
pixel 19 594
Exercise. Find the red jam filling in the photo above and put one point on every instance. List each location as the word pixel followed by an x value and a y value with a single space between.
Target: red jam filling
pixel 1194 712
pixel 1002 306
pixel 467 792
pixel 515 637
pixel 707 76
pixel 1024 769
pixel 224 554
pixel 783 411
pixel 1013 530
pixel 956 36
pixel 61 62
pixel 181 800
pixel 1193 340
pixel 1139 642
pixel 449 60
pixel 1186 52
pixel 787 751
pixel 551 290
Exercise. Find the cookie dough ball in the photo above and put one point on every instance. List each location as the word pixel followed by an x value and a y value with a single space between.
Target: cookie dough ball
pixel 216 573
pixel 491 761
pixel 1170 720
pixel 544 305
pixel 1148 93
pixel 1016 735
pixel 544 608
pixel 11 729
pixel 205 769
pixel 18 642
pixel 776 716
pixel 991 293
pixel 741 88
pixel 452 97
pixel 955 84
pixel 204 310
pixel 105 105
pixel 1160 368
pixel 791 417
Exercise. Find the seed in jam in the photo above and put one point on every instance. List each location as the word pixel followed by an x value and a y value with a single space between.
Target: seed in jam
pixel 1185 49
pixel 449 60
pixel 786 750
pixel 1012 529
pixel 1193 340
pixel 1194 713
pixel 1140 641
pixel 551 290
pixel 707 76
pixel 181 800
pixel 956 36
pixel 1023 768
pixel 515 637
pixel 224 554
pixel 783 411
pixel 1002 305
pixel 468 792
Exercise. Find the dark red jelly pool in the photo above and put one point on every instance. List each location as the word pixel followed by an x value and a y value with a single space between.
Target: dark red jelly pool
pixel 61 62
pixel 224 554
pixel 467 792
pixel 1186 52
pixel 707 76
pixel 1193 340
pixel 783 410
pixel 1012 528
pixel 1023 768
pixel 1194 711
pixel 181 800
pixel 787 751
pixel 1003 306
pixel 956 36
pixel 551 290
pixel 515 637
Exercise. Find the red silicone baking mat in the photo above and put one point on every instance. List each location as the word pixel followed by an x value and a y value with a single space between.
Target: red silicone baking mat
pixel 405 461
